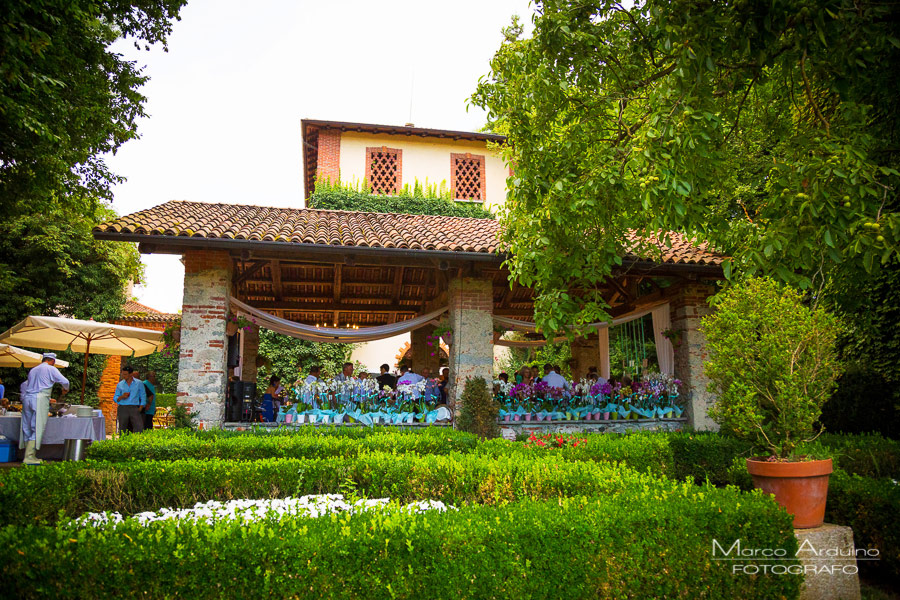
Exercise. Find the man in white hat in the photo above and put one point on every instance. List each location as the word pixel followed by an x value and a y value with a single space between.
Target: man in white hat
pixel 36 405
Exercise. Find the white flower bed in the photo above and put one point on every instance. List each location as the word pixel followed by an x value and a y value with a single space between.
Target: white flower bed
pixel 254 510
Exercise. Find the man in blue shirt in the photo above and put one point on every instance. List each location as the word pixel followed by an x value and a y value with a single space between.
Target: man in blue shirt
pixel 36 404
pixel 130 396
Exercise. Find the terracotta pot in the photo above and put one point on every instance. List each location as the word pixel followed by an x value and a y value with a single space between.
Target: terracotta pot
pixel 800 487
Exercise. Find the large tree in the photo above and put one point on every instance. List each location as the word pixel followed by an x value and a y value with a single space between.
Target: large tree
pixel 768 129
pixel 66 98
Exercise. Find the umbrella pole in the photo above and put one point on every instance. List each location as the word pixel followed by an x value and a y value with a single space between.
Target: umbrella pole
pixel 87 352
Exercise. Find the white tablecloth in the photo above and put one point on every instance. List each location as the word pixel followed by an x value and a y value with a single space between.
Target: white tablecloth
pixel 58 429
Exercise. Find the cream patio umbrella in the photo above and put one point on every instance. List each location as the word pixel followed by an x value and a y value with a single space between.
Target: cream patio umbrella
pixel 60 333
pixel 10 356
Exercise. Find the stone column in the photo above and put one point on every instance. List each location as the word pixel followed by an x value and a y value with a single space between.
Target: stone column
pixel 249 350
pixel 472 347
pixel 687 309
pixel 202 368
pixel 585 354
pixel 603 344
pixel 421 352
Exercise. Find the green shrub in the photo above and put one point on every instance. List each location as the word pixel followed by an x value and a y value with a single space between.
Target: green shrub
pixel 165 400
pixel 410 201
pixel 43 495
pixel 870 506
pixel 305 442
pixel 480 410
pixel 773 365
pixel 629 545
pixel 864 401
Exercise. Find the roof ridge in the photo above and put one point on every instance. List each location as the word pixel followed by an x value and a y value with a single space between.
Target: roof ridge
pixel 322 210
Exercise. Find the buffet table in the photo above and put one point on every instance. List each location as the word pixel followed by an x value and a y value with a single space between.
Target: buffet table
pixel 57 431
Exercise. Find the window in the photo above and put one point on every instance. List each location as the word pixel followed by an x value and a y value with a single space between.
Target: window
pixel 467 177
pixel 383 170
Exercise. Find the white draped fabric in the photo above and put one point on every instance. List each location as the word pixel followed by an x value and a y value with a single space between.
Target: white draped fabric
pixel 602 328
pixel 333 335
pixel 665 353
pixel 520 325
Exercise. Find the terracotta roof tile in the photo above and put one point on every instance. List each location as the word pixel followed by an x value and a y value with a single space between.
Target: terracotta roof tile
pixel 135 311
pixel 343 228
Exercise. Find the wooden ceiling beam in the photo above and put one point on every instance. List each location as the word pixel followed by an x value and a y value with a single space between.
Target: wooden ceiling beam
pixel 398 283
pixel 276 280
pixel 251 270
pixel 336 285
pixel 509 294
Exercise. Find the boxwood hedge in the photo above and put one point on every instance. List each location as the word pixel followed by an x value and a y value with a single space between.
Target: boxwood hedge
pixel 628 545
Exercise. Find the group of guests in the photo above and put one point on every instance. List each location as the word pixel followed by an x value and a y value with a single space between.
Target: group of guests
pixel 553 377
pixel 136 400
pixel 275 394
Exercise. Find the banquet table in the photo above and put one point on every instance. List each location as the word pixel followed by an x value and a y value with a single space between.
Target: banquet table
pixel 58 430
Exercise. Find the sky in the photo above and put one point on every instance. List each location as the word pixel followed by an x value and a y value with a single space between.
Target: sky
pixel 225 102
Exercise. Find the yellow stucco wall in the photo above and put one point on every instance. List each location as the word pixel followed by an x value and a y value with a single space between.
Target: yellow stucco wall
pixel 424 158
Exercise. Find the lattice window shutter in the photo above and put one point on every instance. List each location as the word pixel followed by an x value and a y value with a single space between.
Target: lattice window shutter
pixel 383 172
pixel 468 177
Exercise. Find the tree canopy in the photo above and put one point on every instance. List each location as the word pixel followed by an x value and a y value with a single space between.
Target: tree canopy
pixel 66 98
pixel 767 129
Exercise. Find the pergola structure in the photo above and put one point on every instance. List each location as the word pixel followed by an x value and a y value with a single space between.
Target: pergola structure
pixel 351 269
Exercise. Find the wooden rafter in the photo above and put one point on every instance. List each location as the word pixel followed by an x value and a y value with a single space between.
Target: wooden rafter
pixel 337 283
pixel 277 289
pixel 251 270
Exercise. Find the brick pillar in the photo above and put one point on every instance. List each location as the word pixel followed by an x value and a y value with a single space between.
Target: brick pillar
pixel 328 164
pixel 687 309
pixel 472 350
pixel 421 352
pixel 202 370
pixel 249 350
pixel 585 354
pixel 108 382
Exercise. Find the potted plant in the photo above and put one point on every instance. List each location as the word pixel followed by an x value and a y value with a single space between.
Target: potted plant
pixel 773 366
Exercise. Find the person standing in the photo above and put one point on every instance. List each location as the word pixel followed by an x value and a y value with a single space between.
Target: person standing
pixel 130 396
pixel 150 391
pixel 36 404
pixel 2 390
pixel 386 379
pixel 346 372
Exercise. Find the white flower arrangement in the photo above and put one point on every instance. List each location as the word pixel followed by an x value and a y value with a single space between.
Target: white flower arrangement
pixel 246 511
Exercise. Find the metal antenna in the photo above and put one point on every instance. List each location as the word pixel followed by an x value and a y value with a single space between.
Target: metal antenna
pixel 412 86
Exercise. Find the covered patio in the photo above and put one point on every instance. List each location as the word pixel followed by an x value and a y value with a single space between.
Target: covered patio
pixel 335 270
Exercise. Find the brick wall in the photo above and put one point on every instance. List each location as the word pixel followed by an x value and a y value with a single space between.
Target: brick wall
pixel 202 371
pixel 328 165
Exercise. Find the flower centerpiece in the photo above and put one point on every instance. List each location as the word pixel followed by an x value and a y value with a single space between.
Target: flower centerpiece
pixel 774 365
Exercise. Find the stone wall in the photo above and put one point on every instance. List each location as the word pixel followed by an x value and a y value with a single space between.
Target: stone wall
pixel 202 369
pixel 511 429
pixel 585 354
pixel 472 346
pixel 421 352
pixel 687 309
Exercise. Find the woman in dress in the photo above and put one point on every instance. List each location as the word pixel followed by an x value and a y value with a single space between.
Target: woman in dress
pixel 270 399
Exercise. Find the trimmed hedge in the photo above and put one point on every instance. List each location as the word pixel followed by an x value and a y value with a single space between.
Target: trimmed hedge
pixel 302 443
pixel 71 489
pixel 628 545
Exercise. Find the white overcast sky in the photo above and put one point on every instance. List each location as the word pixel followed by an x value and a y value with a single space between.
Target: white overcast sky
pixel 225 102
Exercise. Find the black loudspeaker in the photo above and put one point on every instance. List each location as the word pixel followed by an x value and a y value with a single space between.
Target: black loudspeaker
pixel 248 393
pixel 234 403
